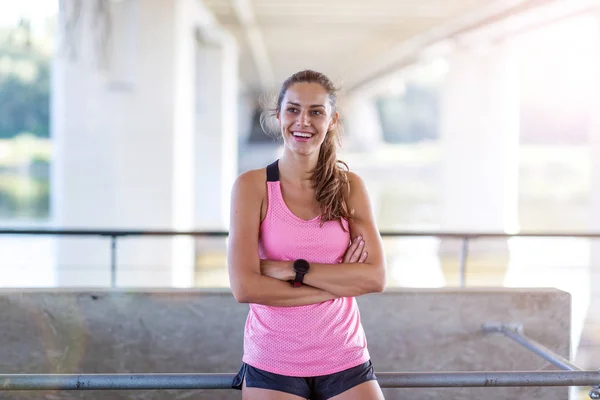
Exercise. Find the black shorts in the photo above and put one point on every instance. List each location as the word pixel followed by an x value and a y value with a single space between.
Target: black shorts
pixel 315 388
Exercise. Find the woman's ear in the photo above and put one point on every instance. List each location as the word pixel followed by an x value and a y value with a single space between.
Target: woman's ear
pixel 334 121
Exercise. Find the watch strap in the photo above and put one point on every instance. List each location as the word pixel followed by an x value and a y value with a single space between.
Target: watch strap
pixel 298 280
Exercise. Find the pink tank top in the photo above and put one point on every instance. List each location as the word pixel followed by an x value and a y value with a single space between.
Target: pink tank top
pixel 312 340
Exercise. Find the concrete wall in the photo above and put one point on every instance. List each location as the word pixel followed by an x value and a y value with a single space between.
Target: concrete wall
pixel 79 331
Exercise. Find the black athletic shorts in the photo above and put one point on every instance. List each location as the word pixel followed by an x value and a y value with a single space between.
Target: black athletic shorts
pixel 314 388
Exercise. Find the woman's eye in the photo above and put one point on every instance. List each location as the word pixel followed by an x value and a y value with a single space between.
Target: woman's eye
pixel 317 112
pixel 292 109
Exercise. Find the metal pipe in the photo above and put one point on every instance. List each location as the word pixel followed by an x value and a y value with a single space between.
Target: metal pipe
pixel 514 332
pixel 223 381
pixel 113 261
pixel 542 351
pixel 439 234
pixel 115 381
pixel 488 379
pixel 463 262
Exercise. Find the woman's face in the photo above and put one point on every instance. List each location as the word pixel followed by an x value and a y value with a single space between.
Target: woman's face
pixel 305 117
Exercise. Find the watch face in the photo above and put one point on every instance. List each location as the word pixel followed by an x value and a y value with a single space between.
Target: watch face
pixel 301 266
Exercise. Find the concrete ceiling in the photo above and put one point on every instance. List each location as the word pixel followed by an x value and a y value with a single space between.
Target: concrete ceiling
pixel 353 41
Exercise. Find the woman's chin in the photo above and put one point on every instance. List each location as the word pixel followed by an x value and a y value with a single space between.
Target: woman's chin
pixel 304 150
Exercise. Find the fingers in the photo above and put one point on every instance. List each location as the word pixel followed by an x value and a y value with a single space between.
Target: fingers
pixel 355 251
pixel 358 252
pixel 351 253
pixel 363 257
pixel 350 250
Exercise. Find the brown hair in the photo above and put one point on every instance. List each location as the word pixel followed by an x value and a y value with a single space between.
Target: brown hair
pixel 330 176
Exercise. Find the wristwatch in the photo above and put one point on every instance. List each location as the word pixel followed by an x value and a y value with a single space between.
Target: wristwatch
pixel 301 268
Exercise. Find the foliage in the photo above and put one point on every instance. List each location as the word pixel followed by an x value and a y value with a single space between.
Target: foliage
pixel 24 126
pixel 411 117
pixel 24 89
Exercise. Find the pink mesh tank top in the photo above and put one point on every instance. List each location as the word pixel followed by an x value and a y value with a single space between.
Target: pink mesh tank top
pixel 312 340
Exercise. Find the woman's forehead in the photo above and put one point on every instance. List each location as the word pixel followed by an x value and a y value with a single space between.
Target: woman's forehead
pixel 305 93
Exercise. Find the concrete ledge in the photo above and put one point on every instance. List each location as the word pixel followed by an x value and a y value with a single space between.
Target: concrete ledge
pixel 130 331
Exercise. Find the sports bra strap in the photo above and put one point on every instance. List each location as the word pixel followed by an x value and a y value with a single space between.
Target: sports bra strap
pixel 273 172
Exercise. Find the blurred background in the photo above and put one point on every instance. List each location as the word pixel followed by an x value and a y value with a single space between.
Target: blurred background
pixel 462 116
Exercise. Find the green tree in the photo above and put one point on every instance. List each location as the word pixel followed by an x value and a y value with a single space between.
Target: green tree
pixel 411 117
pixel 24 88
pixel 24 115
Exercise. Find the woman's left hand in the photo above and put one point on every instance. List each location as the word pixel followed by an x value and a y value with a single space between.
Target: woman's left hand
pixel 281 270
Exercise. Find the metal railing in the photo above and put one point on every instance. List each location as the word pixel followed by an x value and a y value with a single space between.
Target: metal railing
pixel 515 332
pixel 13 382
pixel 464 237
pixel 570 376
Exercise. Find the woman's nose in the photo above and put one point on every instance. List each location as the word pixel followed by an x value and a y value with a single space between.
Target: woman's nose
pixel 303 119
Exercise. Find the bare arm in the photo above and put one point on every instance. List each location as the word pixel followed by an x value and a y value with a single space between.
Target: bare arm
pixel 247 283
pixel 349 278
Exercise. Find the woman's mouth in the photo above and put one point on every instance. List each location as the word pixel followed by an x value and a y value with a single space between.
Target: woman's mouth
pixel 302 136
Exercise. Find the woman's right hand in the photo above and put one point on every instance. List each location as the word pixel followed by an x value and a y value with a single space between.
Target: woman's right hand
pixel 355 252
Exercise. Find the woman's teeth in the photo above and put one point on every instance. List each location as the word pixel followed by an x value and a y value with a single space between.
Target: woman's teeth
pixel 300 134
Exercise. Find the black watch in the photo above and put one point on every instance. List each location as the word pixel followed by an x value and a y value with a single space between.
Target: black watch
pixel 301 268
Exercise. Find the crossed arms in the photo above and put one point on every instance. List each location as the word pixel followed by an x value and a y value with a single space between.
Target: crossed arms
pixel 362 270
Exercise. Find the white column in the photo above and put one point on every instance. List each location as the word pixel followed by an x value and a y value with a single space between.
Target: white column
pixel 591 328
pixel 125 149
pixel 595 199
pixel 216 151
pixel 479 144
pixel 26 261
pixel 480 139
pixel 216 132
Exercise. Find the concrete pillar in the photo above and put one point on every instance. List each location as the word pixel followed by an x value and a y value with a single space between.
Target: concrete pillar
pixel 479 138
pixel 26 261
pixel 595 199
pixel 216 151
pixel 126 146
pixel 590 340
pixel 216 132
pixel 479 142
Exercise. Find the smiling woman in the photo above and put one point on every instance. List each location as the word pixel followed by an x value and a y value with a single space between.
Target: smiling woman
pixel 306 111
pixel 302 245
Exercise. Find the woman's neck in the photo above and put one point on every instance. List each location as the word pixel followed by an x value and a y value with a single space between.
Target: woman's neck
pixel 298 169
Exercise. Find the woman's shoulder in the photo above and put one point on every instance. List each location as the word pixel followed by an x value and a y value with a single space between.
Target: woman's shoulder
pixel 357 186
pixel 354 180
pixel 352 177
pixel 251 181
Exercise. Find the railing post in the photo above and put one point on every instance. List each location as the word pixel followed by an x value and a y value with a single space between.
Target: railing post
pixel 113 261
pixel 463 262
pixel 595 393
pixel 515 332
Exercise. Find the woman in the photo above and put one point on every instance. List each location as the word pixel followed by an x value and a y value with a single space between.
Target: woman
pixel 303 243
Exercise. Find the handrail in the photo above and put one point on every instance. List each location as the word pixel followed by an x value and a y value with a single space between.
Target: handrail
pixel 465 237
pixel 110 232
pixel 221 233
pixel 571 376
pixel 515 332
pixel 150 381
